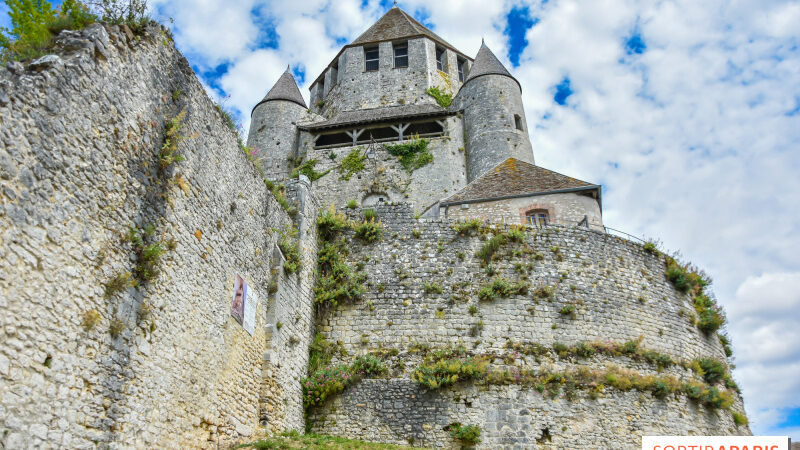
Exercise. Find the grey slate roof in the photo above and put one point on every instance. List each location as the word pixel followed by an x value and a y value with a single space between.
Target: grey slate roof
pixel 361 116
pixel 396 24
pixel 285 89
pixel 487 64
pixel 515 178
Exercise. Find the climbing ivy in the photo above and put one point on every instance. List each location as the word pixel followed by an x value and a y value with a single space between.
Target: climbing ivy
pixel 412 154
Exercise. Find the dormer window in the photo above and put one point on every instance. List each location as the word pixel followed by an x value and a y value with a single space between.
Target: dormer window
pixel 518 122
pixel 371 55
pixel 400 54
pixel 440 59
pixel 462 66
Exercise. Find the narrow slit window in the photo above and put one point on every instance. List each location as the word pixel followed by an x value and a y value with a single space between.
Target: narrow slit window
pixel 400 54
pixel 518 121
pixel 440 58
pixel 335 73
pixel 371 55
pixel 461 69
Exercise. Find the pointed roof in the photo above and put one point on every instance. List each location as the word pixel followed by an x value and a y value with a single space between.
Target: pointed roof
pixel 486 63
pixel 515 178
pixel 284 89
pixel 396 24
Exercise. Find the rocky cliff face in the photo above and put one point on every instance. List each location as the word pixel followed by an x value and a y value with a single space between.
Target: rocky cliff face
pixel 126 207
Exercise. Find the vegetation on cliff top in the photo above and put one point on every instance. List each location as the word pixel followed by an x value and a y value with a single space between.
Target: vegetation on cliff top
pixel 34 23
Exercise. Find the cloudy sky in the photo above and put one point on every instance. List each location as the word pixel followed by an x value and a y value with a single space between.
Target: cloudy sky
pixel 687 112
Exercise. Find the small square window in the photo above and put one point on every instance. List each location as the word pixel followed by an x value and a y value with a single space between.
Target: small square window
pixel 440 59
pixel 400 54
pixel 371 55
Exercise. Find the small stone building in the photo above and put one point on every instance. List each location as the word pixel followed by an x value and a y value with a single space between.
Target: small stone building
pixel 519 192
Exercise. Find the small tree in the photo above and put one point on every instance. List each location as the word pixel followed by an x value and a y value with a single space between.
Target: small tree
pixel 130 12
pixel 29 28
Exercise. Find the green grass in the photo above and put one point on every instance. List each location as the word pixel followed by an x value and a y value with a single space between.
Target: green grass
pixel 294 440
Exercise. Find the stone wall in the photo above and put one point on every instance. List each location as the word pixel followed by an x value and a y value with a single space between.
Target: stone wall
pixel 618 292
pixel 79 167
pixel 384 175
pixel 563 209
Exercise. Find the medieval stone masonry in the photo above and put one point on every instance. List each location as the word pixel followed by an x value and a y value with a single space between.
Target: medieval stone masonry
pixel 413 277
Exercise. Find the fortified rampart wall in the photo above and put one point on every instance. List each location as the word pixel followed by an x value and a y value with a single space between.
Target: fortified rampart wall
pixel 424 283
pixel 87 359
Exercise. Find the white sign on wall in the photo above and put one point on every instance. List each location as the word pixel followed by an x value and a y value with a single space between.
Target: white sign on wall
pixel 244 304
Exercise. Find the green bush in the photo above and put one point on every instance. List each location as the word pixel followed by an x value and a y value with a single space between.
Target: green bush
pixel 337 281
pixel 567 310
pixel 468 434
pixel 369 365
pixel 448 370
pixel 369 230
pixel 432 288
pixel 370 214
pixel 330 222
pixel 290 247
pixel 491 246
pixel 726 344
pixel 500 287
pixel 168 154
pixel 713 370
pixel 412 154
pixel 352 204
pixel 740 419
pixel 468 227
pixel 326 383
pixel 650 247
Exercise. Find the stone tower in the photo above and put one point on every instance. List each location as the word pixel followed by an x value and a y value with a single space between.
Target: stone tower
pixel 494 119
pixel 273 130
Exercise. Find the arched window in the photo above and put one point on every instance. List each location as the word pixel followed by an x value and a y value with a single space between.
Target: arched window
pixel 537 217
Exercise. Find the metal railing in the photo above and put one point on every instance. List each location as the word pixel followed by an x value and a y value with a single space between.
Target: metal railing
pixel 584 223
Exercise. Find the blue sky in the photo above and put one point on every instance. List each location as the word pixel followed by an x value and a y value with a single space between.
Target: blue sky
pixel 687 112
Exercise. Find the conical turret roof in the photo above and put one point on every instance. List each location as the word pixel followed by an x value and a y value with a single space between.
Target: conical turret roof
pixel 284 89
pixel 486 63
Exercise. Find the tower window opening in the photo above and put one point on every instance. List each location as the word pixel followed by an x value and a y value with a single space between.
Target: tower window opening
pixel 371 55
pixel 518 121
pixel 461 69
pixel 440 62
pixel 537 217
pixel 400 54
pixel 335 73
